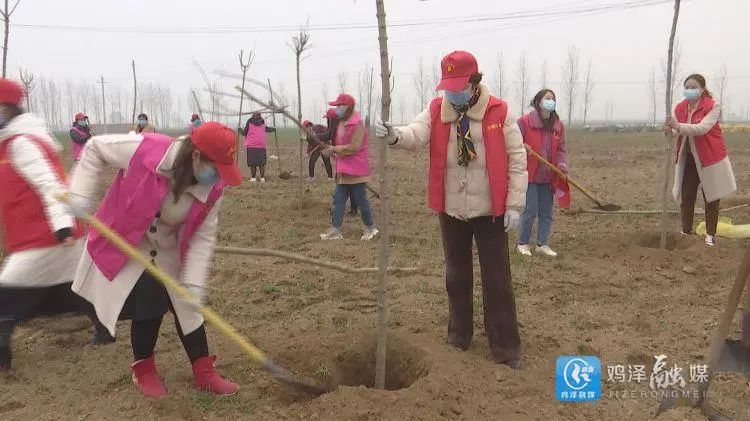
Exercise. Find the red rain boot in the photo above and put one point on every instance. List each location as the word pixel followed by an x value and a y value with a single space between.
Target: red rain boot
pixel 146 378
pixel 208 380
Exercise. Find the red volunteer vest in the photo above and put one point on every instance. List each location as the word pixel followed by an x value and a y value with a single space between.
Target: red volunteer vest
pixel 710 147
pixel 533 137
pixel 496 156
pixel 25 225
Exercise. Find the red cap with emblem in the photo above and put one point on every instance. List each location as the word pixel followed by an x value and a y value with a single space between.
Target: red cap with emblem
pixel 11 93
pixel 218 143
pixel 457 68
pixel 79 117
pixel 343 99
pixel 331 113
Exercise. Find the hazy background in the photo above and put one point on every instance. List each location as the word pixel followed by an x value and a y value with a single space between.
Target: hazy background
pixel 73 44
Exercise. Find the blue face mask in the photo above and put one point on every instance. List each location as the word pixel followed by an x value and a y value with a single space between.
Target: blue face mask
pixel 341 111
pixel 209 176
pixel 459 98
pixel 83 123
pixel 197 123
pixel 548 104
pixel 691 94
pixel 142 122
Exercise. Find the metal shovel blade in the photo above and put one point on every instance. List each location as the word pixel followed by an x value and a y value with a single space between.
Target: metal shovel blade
pixel 288 379
pixel 608 207
pixel 734 357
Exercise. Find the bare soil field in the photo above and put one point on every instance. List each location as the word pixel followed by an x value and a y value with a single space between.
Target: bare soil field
pixel 610 293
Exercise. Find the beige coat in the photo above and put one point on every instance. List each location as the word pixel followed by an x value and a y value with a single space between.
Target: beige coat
pixel 467 189
pixel 108 297
pixel 717 180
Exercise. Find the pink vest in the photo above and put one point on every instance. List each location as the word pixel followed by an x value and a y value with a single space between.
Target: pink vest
pixel 358 163
pixel 76 148
pixel 134 200
pixel 256 136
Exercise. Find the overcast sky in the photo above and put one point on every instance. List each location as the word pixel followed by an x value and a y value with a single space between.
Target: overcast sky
pixel 624 45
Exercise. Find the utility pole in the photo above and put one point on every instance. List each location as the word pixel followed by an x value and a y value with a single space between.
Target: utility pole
pixel 104 105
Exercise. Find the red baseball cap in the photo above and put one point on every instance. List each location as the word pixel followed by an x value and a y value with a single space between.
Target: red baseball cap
pixel 218 143
pixel 306 123
pixel 194 117
pixel 11 93
pixel 331 113
pixel 80 116
pixel 457 68
pixel 343 99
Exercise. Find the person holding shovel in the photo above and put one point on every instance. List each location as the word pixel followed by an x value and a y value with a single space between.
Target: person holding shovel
pixel 40 235
pixel 701 156
pixel 256 142
pixel 165 201
pixel 477 185
pixel 320 138
pixel 80 133
pixel 544 133
pixel 352 168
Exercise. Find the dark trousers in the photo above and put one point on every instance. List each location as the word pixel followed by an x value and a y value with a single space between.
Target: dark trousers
pixel 690 183
pixel 314 160
pixel 499 303
pixel 21 304
pixel 144 333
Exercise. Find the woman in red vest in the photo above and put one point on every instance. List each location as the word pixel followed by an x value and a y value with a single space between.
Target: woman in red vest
pixel 39 233
pixel 477 185
pixel 165 200
pixel 80 133
pixel 701 156
pixel 543 131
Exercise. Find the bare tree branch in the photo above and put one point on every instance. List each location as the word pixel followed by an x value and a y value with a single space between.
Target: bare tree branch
pixel 570 80
pixel 523 82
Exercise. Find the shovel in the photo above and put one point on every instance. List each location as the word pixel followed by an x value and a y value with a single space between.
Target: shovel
pixel 280 374
pixel 599 206
pixel 723 355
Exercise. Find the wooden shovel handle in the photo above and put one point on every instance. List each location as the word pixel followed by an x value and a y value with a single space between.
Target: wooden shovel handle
pixel 561 174
pixel 717 341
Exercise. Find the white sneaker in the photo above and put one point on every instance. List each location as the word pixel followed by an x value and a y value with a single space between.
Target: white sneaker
pixel 524 250
pixel 331 179
pixel 546 250
pixel 710 240
pixel 253 180
pixel 369 233
pixel 332 234
pixel 262 180
pixel 310 179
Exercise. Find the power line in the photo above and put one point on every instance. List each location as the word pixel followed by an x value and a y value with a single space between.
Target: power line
pixel 513 16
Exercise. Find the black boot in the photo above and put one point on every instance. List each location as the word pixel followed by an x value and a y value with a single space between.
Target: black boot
pixel 6 331
pixel 101 335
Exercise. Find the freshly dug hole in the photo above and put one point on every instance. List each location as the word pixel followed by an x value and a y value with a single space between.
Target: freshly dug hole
pixel 355 366
pixel 652 240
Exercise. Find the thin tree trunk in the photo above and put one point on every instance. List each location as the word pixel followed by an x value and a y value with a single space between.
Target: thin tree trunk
pixel 104 106
pixel 385 112
pixel 668 113
pixel 299 117
pixel 135 93
pixel 273 119
pixel 6 15
pixel 239 117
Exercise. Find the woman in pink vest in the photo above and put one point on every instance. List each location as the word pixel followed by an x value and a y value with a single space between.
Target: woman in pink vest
pixel 543 131
pixel 80 133
pixel 40 235
pixel 701 156
pixel 165 200
pixel 477 185
pixel 255 143
pixel 352 155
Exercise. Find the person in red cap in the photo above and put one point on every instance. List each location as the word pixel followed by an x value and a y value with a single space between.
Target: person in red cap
pixel 165 200
pixel 195 122
pixel 352 168
pixel 39 233
pixel 80 133
pixel 477 185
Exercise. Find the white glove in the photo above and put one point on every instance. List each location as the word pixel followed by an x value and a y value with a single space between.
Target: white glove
pixel 512 219
pixel 386 131
pixel 79 206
